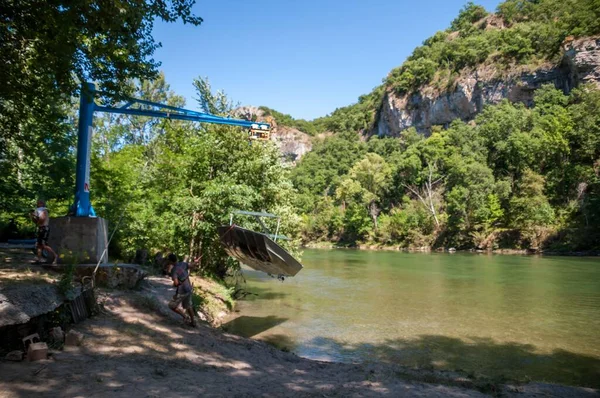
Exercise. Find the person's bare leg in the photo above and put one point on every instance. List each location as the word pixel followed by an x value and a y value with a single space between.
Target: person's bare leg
pixel 179 310
pixel 39 253
pixel 191 314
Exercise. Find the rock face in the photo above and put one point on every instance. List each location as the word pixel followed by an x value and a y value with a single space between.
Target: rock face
pixel 57 335
pixel 293 143
pixel 583 59
pixel 19 303
pixel 485 85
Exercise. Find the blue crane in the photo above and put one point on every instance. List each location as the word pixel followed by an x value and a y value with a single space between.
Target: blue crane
pixel 82 206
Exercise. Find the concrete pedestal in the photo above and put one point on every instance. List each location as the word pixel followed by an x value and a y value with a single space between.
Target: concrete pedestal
pixel 81 239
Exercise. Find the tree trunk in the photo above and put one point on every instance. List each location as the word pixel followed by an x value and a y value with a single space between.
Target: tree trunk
pixel 374 212
pixel 426 194
pixel 195 241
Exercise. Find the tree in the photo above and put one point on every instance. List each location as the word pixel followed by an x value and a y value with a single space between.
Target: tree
pixel 533 170
pixel 183 180
pixel 113 131
pixel 373 176
pixel 529 206
pixel 426 192
pixel 49 47
pixel 473 204
pixel 211 170
pixel 213 103
pixel 320 171
pixel 419 171
pixel 585 112
pixel 469 14
pixel 348 191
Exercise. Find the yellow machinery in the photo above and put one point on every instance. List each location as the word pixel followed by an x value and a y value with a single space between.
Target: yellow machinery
pixel 259 132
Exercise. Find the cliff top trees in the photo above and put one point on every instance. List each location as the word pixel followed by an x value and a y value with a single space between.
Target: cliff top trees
pixel 518 169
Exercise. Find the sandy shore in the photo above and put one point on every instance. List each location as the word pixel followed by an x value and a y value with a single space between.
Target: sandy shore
pixel 137 348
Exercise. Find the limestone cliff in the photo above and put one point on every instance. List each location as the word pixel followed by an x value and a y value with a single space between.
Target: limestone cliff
pixel 292 142
pixel 486 85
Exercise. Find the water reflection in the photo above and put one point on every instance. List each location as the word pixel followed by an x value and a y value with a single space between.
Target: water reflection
pixel 502 315
pixel 475 355
pixel 250 326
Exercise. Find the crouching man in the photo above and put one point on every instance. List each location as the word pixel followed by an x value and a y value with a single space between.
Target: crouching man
pixel 182 300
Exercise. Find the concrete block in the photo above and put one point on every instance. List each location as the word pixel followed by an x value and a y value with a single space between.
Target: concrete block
pixel 15 356
pixel 79 239
pixel 73 338
pixel 37 351
pixel 32 338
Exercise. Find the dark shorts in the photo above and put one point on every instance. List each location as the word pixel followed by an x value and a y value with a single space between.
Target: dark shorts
pixel 184 299
pixel 42 235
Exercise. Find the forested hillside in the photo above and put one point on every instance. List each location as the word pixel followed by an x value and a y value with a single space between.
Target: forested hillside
pixel 516 176
pixel 521 174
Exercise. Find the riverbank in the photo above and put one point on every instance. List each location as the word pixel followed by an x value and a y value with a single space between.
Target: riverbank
pixel 450 250
pixel 137 347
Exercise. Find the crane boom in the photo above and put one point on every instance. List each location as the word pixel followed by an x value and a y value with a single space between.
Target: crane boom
pixel 82 206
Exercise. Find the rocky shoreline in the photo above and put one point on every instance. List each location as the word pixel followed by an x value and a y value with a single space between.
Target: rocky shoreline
pixel 450 250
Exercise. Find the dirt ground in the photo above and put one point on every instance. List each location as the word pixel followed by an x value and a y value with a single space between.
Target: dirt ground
pixel 137 348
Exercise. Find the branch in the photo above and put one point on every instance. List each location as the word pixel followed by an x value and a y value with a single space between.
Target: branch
pixel 416 193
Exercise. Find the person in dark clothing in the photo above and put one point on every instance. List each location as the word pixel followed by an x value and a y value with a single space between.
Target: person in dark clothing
pixel 182 300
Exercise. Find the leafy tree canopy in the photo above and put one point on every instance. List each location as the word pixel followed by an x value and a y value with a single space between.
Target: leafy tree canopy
pixel 48 47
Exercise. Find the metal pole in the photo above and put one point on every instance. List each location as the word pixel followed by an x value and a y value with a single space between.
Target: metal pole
pixel 82 205
pixel 277 230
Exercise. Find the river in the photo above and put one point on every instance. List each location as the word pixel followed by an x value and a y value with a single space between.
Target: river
pixel 518 317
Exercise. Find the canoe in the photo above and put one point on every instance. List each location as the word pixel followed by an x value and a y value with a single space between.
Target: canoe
pixel 257 251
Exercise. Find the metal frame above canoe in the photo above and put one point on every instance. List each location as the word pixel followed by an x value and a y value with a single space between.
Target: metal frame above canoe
pixel 257 215
pixel 256 249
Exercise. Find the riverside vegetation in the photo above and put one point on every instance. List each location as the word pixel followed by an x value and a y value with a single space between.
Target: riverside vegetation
pixel 518 177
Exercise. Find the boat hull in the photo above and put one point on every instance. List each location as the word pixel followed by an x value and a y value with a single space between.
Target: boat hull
pixel 257 251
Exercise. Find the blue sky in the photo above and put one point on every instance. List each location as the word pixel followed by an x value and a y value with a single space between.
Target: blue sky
pixel 305 58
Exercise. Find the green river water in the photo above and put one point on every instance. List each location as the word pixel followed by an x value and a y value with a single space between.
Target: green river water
pixel 519 317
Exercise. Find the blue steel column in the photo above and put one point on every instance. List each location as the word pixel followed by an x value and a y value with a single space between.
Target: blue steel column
pixel 82 206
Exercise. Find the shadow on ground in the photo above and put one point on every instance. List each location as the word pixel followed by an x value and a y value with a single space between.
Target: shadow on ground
pixel 137 347
pixel 477 357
